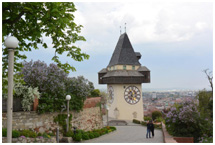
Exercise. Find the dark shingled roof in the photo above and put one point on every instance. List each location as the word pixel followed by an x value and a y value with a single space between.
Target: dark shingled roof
pixel 124 53
pixel 143 68
pixel 104 70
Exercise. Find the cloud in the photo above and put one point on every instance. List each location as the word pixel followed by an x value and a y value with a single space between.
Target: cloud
pixel 146 22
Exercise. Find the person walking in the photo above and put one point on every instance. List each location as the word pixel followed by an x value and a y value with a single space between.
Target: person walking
pixel 152 128
pixel 148 130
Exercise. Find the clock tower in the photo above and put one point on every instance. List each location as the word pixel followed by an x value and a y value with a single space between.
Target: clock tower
pixel 124 76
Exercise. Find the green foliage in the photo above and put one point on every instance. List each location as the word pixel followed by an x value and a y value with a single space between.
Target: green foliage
pixel 185 121
pixel 69 133
pixel 159 119
pixel 15 134
pixel 29 22
pixel 96 134
pixel 85 136
pixel 143 123
pixel 4 132
pixel 79 88
pixel 45 135
pixel 54 84
pixel 136 121
pixel 77 137
pixel 158 126
pixel 156 114
pixel 28 133
pixel 27 94
pixel 61 119
pixel 113 128
pixel 206 139
pixel 205 106
pixel 39 134
pixel 50 82
pixel 95 93
pixel 91 135
pixel 51 134
pixel 80 134
pixel 146 118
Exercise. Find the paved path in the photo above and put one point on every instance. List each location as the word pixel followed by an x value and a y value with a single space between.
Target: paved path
pixel 128 134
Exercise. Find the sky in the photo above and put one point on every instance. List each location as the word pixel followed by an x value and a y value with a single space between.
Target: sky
pixel 175 40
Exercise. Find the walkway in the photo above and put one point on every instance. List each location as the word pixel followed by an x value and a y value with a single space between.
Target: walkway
pixel 132 133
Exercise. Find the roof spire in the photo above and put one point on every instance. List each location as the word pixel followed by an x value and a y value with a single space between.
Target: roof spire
pixel 125 27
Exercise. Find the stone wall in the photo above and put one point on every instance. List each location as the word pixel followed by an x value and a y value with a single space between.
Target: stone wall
pixel 88 119
pixel 30 140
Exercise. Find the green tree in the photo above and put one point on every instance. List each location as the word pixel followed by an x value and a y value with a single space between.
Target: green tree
pixel 95 93
pixel 31 21
pixel 156 114
pixel 205 106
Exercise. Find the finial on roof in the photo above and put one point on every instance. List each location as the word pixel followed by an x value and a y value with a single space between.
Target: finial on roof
pixel 125 27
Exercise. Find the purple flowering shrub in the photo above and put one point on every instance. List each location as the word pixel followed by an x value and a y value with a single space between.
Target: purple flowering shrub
pixel 185 121
pixel 54 84
pixel 50 82
pixel 79 88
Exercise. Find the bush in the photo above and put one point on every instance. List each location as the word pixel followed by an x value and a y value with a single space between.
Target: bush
pixel 156 114
pixel 4 132
pixel 158 126
pixel 85 136
pixel 136 121
pixel 112 128
pixel 51 134
pixel 45 135
pixel 143 123
pixel 96 134
pixel 91 135
pixel 39 134
pixel 185 121
pixel 15 134
pixel 60 118
pixel 28 133
pixel 54 84
pixel 159 119
pixel 146 118
pixel 95 93
pixel 69 133
pixel 77 137
pixel 206 139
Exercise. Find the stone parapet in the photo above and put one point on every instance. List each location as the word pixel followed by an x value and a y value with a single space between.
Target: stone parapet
pixel 88 119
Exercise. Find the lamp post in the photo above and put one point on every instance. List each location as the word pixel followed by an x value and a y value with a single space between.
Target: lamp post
pixel 68 97
pixel 11 43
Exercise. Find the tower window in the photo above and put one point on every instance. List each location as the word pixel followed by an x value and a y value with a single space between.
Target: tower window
pixel 124 67
pixel 133 67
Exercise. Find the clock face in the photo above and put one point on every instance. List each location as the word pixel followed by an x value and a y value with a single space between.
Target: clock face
pixel 132 95
pixel 111 94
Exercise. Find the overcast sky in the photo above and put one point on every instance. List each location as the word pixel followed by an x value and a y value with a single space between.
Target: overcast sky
pixel 175 40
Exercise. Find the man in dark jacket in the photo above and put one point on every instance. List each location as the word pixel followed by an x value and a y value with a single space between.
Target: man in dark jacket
pixel 152 128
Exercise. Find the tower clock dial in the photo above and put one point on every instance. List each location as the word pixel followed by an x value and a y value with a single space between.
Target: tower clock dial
pixel 132 95
pixel 111 94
